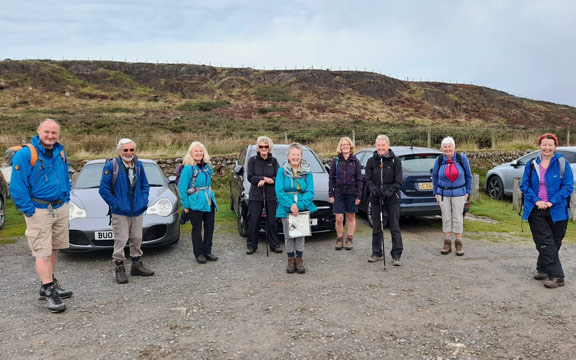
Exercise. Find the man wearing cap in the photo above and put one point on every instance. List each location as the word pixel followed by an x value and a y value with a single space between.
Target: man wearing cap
pixel 40 188
pixel 124 187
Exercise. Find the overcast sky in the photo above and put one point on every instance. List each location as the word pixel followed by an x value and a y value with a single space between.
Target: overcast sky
pixel 524 47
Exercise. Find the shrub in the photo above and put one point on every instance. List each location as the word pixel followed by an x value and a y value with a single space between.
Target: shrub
pixel 202 105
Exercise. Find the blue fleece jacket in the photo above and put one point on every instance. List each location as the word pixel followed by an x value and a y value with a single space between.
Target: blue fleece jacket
pixel 201 197
pixel 461 186
pixel 559 189
pixel 47 180
pixel 286 189
pixel 123 199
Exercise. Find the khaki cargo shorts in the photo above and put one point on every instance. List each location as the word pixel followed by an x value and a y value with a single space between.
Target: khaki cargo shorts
pixel 46 232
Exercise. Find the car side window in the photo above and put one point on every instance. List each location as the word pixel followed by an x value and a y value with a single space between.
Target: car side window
pixel 570 156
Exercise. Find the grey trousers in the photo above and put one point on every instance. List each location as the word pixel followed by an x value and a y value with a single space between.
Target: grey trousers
pixel 453 214
pixel 127 228
pixel 292 244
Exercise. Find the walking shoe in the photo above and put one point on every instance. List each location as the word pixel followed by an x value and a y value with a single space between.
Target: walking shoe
pixel 250 251
pixel 64 294
pixel 211 257
pixel 54 303
pixel 300 269
pixel 375 258
pixel 447 249
pixel 458 246
pixel 277 250
pixel 554 282
pixel 121 277
pixel 349 242
pixel 396 262
pixel 540 276
pixel 139 269
pixel 201 259
pixel 339 243
pixel 291 265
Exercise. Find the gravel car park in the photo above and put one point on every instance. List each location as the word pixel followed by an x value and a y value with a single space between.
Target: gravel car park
pixel 90 227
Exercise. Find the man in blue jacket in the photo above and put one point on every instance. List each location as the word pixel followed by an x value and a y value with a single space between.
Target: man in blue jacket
pixel 125 189
pixel 40 188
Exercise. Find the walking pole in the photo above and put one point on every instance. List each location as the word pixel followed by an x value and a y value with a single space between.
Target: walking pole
pixel 265 215
pixel 382 211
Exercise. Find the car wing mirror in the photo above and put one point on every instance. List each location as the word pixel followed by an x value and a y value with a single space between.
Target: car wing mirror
pixel 221 170
pixel 238 169
pixel 514 163
pixel 172 179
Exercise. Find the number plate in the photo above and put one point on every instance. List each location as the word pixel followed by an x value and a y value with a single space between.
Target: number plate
pixel 103 235
pixel 313 222
pixel 425 186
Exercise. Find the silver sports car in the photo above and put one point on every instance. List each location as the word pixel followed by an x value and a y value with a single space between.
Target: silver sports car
pixel 90 227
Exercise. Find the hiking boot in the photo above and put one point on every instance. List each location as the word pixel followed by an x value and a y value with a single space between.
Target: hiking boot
pixel 277 250
pixel 201 259
pixel 396 262
pixel 458 246
pixel 339 243
pixel 300 269
pixel 540 276
pixel 349 242
pixel 121 277
pixel 139 269
pixel 54 303
pixel 291 265
pixel 250 251
pixel 375 258
pixel 211 257
pixel 64 294
pixel 554 282
pixel 447 249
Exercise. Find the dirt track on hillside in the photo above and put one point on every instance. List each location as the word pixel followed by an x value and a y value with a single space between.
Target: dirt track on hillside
pixel 484 305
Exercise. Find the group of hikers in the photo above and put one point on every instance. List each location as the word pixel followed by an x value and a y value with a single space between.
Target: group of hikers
pixel 40 189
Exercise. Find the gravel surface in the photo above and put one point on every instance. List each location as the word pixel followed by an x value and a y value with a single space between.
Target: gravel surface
pixel 484 305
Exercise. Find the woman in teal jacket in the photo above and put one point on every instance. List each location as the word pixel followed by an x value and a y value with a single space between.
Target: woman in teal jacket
pixel 547 184
pixel 198 200
pixel 295 192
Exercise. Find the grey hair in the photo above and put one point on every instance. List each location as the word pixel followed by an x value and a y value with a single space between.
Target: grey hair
pixel 266 140
pixel 124 141
pixel 295 146
pixel 383 137
pixel 48 120
pixel 448 140
pixel 189 160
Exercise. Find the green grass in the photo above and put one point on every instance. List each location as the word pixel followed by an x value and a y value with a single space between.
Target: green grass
pixel 15 225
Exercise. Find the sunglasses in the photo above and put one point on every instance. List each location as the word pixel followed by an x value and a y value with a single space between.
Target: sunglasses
pixel 128 150
pixel 263 147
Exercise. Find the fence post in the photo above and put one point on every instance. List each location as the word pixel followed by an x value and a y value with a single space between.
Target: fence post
pixel 429 139
pixel 516 194
pixel 285 138
pixel 353 136
pixel 475 196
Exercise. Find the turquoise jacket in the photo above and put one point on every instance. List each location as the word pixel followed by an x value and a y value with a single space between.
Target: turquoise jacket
pixel 287 193
pixel 198 196
pixel 559 188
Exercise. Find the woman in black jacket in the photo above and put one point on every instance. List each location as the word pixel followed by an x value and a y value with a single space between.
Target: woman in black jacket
pixel 384 179
pixel 262 169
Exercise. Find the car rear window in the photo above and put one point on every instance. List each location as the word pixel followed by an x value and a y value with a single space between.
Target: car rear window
pixel 418 162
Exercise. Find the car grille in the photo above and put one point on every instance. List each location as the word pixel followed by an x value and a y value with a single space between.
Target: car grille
pixel 78 238
pixel 155 232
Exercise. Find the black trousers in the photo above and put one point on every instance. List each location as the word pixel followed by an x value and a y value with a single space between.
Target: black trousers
pixel 199 218
pixel 254 216
pixel 393 212
pixel 548 237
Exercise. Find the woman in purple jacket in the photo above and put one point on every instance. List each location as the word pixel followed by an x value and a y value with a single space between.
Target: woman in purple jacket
pixel 345 190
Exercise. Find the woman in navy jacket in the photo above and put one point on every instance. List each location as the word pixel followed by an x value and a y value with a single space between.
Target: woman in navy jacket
pixel 547 184
pixel 452 183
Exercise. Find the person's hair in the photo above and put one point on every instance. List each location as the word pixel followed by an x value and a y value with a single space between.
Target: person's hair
pixel 48 120
pixel 266 140
pixel 189 160
pixel 383 137
pixel 295 146
pixel 124 141
pixel 448 140
pixel 339 147
pixel 549 136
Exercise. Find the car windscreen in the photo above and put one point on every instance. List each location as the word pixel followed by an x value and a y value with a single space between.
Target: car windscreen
pixel 307 155
pixel 90 176
pixel 418 162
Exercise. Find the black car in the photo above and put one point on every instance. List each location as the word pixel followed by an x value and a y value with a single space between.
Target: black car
pixel 417 195
pixel 3 196
pixel 322 220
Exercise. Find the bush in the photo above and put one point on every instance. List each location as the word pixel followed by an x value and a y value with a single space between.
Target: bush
pixel 202 105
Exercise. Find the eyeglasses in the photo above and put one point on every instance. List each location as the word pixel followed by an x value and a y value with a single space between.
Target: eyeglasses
pixel 263 147
pixel 128 150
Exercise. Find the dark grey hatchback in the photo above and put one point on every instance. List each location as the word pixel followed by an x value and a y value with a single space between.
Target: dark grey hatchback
pixel 322 220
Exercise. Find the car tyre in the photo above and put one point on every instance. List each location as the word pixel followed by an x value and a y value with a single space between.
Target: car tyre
pixel 2 213
pixel 495 188
pixel 242 226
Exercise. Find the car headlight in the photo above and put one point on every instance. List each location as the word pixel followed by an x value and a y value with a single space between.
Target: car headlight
pixel 75 212
pixel 162 207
